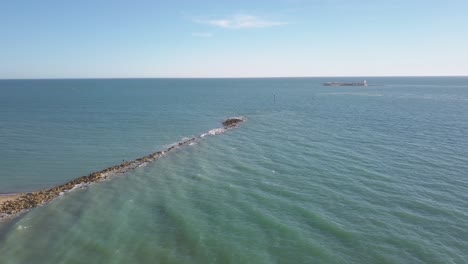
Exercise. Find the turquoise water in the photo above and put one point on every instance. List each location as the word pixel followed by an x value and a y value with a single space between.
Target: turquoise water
pixel 317 174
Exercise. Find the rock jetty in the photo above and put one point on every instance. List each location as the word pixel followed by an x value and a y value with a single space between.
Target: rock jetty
pixel 33 199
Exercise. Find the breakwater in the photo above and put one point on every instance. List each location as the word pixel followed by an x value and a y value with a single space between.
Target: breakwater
pixel 30 200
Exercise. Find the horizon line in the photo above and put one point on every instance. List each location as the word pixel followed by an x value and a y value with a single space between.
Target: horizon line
pixel 237 77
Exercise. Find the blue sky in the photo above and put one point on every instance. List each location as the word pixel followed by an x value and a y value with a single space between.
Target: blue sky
pixel 93 39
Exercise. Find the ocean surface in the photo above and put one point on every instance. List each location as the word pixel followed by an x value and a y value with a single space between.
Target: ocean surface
pixel 316 174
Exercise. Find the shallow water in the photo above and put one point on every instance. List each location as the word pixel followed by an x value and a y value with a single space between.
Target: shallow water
pixel 316 175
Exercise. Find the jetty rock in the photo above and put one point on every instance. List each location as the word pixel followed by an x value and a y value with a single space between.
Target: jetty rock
pixel 25 202
pixel 233 122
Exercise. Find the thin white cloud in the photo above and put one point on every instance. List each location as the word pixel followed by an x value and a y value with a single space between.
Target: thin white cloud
pixel 242 22
pixel 202 34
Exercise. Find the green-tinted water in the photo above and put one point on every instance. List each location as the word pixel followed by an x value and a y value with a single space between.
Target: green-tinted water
pixel 320 175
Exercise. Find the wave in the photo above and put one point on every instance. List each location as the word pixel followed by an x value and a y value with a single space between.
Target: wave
pixel 214 132
pixel 28 201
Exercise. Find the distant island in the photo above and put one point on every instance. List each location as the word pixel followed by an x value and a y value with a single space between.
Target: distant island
pixel 363 83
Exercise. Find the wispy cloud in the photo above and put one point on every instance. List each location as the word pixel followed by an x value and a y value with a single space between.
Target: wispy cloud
pixel 202 34
pixel 242 22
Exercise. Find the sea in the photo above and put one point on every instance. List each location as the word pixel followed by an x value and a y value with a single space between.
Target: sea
pixel 316 174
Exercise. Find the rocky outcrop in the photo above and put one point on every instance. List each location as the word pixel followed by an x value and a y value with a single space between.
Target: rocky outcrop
pixel 232 122
pixel 30 200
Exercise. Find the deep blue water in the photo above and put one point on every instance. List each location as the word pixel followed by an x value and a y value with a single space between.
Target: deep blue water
pixel 317 174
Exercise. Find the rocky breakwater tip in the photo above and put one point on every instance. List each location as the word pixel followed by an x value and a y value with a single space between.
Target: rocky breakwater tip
pixel 232 122
pixel 24 202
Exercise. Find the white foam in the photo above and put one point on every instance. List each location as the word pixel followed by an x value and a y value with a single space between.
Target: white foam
pixel 79 186
pixel 213 132
pixel 216 131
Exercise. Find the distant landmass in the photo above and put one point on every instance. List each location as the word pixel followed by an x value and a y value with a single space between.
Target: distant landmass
pixel 363 83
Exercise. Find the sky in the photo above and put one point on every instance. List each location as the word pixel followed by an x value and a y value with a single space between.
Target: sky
pixel 196 38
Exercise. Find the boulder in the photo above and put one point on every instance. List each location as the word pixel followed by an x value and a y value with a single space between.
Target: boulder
pixel 232 122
